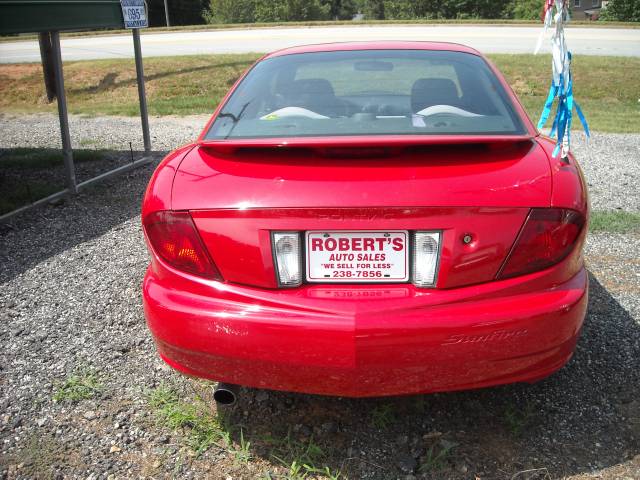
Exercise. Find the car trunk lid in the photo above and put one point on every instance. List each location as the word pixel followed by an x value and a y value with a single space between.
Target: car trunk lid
pixel 471 171
pixel 238 193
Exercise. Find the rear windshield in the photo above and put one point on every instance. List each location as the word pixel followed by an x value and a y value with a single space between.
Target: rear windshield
pixel 367 92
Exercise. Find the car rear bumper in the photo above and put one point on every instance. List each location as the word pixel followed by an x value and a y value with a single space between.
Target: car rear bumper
pixel 365 340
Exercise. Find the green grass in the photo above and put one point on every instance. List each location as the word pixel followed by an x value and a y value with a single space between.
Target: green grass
pixel 241 453
pixel 437 455
pixel 175 85
pixel 24 177
pixel 200 426
pixel 383 416
pixel 82 385
pixel 605 87
pixel 301 459
pixel 518 419
pixel 614 222
pixel 16 195
pixel 43 158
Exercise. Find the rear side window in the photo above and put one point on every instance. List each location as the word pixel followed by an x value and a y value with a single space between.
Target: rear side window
pixel 368 92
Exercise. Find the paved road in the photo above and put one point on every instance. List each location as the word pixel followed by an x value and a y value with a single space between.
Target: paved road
pixel 488 39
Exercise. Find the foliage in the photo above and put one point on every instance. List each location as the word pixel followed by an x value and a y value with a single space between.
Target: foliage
pixel 290 10
pixel 195 419
pixel 621 10
pixel 248 11
pixel 527 9
pixel 342 9
pixel 80 386
pixel 436 456
pixel 427 9
pixel 230 11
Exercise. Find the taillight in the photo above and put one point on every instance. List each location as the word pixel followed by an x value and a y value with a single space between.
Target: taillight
pixel 174 238
pixel 426 256
pixel 547 237
pixel 286 251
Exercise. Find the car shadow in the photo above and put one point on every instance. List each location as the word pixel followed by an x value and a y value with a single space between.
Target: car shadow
pixel 583 418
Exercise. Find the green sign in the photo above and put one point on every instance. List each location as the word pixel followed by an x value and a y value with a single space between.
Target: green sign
pixel 24 16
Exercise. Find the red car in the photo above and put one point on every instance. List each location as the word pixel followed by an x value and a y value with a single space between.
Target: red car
pixel 367 219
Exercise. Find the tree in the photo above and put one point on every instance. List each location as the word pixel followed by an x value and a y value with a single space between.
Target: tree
pixel 622 11
pixel 290 10
pixel 341 9
pixel 528 9
pixel 230 11
pixel 374 9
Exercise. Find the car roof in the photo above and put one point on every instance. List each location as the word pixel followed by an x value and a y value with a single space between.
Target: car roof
pixel 379 45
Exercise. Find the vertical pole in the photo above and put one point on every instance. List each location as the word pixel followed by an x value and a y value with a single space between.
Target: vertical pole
pixel 44 39
pixel 62 113
pixel 166 12
pixel 144 116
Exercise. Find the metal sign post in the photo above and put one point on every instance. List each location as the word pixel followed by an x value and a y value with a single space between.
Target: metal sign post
pixel 135 17
pixel 144 115
pixel 62 113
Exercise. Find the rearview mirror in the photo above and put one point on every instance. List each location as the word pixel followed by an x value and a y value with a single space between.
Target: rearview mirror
pixel 373 66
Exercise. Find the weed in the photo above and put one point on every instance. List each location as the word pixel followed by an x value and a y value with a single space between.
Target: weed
pixel 301 459
pixel 517 419
pixel 242 455
pixel 383 416
pixel 80 386
pixel 200 425
pixel 437 455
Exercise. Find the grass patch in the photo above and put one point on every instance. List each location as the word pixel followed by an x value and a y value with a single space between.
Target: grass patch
pixel 200 426
pixel 16 195
pixel 42 158
pixel 383 416
pixel 604 86
pixel 437 455
pixel 25 174
pixel 175 85
pixel 301 459
pixel 614 222
pixel 82 385
pixel 517 419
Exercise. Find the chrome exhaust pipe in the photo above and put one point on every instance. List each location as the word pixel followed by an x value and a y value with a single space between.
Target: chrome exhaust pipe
pixel 225 394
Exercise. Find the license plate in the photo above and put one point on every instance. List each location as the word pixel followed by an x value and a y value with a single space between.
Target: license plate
pixel 354 256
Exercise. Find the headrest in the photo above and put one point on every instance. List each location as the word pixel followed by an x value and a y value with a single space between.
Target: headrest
pixel 427 92
pixel 311 86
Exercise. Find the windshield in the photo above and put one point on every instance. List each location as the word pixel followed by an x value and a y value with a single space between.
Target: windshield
pixel 367 92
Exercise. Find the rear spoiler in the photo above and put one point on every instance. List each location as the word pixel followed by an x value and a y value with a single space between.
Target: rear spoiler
pixel 391 142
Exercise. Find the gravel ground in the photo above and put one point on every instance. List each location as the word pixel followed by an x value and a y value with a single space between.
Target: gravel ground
pixel 113 133
pixel 607 159
pixel 70 302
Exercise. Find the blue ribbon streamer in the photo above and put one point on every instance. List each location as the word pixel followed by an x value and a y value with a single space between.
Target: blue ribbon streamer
pixel 563 117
